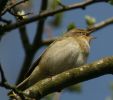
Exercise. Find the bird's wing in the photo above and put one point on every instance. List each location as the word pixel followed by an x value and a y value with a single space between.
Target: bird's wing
pixel 32 67
pixel 41 56
pixel 38 60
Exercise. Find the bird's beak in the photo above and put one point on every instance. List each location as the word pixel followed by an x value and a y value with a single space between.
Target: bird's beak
pixel 90 38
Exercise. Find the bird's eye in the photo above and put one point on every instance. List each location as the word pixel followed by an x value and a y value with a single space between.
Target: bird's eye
pixel 82 33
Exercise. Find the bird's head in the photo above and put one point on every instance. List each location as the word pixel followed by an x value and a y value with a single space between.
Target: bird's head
pixel 81 33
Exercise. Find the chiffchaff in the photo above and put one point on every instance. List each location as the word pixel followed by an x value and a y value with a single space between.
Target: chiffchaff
pixel 69 51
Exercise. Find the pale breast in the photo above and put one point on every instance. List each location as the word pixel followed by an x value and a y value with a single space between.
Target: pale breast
pixel 84 51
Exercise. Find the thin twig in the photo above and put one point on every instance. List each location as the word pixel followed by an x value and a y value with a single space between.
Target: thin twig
pixel 102 24
pixel 12 6
pixel 51 13
pixel 3 79
pixel 5 21
pixel 3 3
pixel 22 30
pixel 40 26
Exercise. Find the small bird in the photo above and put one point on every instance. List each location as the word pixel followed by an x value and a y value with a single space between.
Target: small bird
pixel 67 52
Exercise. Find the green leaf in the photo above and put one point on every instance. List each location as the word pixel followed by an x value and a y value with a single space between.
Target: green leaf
pixel 58 1
pixel 53 4
pixel 57 19
pixel 71 26
pixel 90 20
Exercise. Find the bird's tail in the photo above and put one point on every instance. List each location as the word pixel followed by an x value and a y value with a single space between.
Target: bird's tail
pixel 22 86
pixel 35 76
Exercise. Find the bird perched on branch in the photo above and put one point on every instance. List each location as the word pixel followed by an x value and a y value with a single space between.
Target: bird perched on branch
pixel 67 52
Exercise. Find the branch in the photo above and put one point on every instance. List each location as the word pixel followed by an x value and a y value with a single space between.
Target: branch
pixel 51 13
pixel 24 38
pixel 22 30
pixel 3 3
pixel 40 26
pixel 6 9
pixel 71 77
pixel 3 79
pixel 102 24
